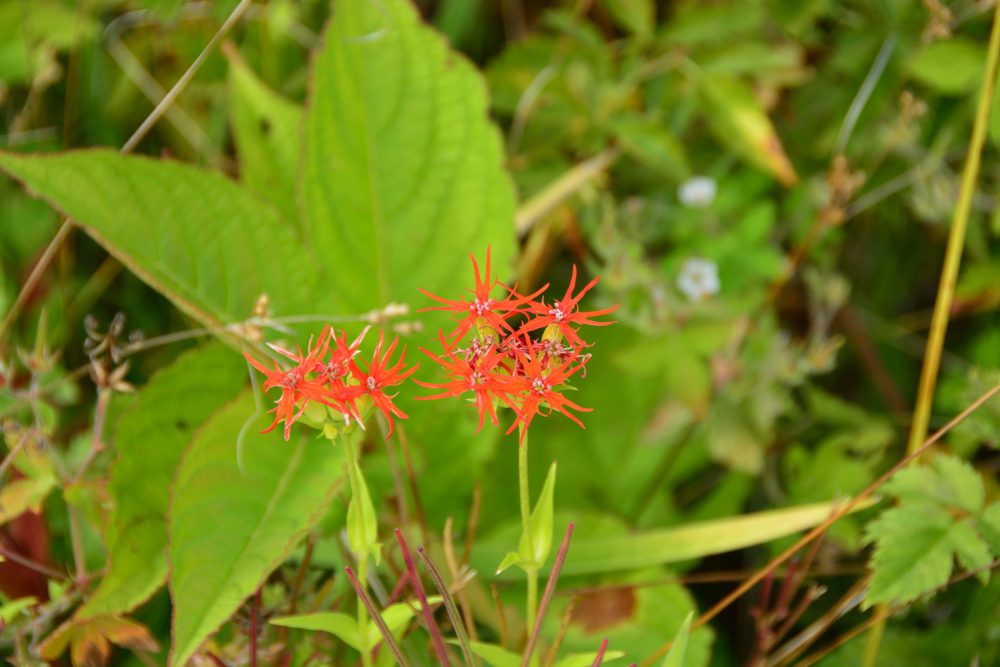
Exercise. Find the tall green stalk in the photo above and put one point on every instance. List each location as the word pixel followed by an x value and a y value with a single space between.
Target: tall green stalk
pixel 522 478
pixel 366 658
pixel 946 285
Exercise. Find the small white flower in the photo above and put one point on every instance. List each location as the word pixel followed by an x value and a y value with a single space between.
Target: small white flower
pixel 698 278
pixel 697 192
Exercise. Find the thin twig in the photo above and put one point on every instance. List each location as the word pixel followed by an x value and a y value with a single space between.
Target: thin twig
pixel 15 557
pixel 567 618
pixel 843 511
pixel 550 589
pixel 390 641
pixel 501 616
pixel 599 658
pixel 418 588
pixel 449 605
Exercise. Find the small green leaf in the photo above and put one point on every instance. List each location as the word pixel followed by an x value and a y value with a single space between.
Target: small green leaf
pixel 396 618
pixel 340 625
pixel 511 559
pixel 636 16
pixel 676 656
pixel 585 659
pixel 535 546
pixel 233 520
pixel 741 123
pixel 494 655
pixel 964 482
pixel 362 522
pixel 10 610
pixel 23 495
pixel 950 66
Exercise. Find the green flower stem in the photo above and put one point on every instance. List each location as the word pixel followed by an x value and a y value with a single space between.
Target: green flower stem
pixel 522 478
pixel 366 656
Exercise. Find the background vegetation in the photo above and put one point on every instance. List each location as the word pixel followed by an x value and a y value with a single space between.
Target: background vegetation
pixel 766 187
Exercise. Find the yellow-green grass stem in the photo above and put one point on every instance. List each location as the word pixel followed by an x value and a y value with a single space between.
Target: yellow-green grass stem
pixel 366 656
pixel 946 285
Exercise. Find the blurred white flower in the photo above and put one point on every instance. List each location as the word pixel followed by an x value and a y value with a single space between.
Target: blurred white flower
pixel 697 192
pixel 698 278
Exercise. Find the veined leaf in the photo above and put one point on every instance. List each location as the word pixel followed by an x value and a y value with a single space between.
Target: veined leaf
pixel 149 442
pixel 193 235
pixel 916 546
pixel 671 545
pixel 403 172
pixel 266 132
pixel 231 525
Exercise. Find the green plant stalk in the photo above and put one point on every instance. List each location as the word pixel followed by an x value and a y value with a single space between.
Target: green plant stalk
pixel 522 478
pixel 366 656
pixel 946 285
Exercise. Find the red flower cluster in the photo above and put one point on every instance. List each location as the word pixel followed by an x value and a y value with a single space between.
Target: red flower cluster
pixel 501 361
pixel 329 374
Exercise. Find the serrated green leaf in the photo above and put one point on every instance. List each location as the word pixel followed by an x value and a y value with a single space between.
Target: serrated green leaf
pixel 149 442
pixel 675 658
pixel 266 133
pixel 948 481
pixel 232 524
pixel 915 548
pixel 403 172
pixel 989 524
pixel 964 482
pixel 193 235
pixel 970 549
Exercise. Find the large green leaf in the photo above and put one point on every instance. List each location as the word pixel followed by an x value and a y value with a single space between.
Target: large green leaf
pixel 193 235
pixel 149 442
pixel 670 545
pixel 232 524
pixel 266 133
pixel 403 172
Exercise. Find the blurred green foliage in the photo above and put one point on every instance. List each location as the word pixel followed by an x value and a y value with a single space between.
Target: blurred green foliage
pixel 764 186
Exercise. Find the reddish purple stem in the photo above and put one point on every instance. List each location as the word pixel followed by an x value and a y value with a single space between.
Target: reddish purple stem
pixel 550 589
pixel 418 588
pixel 599 658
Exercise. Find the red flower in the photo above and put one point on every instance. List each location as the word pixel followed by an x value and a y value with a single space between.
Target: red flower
pixel 536 381
pixel 482 375
pixel 491 311
pixel 296 388
pixel 562 313
pixel 380 374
